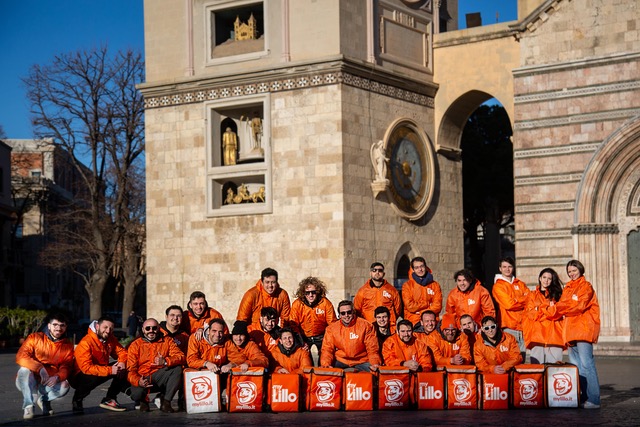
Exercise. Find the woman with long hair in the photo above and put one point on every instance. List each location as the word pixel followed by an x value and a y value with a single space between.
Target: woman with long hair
pixel 541 327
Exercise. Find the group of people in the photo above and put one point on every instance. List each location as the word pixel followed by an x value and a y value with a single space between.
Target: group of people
pixel 381 326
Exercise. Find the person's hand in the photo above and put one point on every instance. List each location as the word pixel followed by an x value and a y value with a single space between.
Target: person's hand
pixel 244 367
pixel 212 367
pixel 145 382
pixel 282 371
pixel 51 381
pixel 498 369
pixel 373 368
pixel 159 360
pixel 199 334
pixel 412 365
pixel 226 368
pixel 457 360
pixel 44 376
pixel 114 369
pixel 306 347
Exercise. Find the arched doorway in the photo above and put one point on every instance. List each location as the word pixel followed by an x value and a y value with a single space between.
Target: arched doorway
pixel 633 261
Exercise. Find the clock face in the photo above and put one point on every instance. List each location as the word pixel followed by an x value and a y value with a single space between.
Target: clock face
pixel 409 171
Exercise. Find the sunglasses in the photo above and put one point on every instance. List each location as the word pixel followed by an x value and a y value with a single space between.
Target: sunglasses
pixel 488 328
pixel 310 292
pixel 378 270
pixel 346 313
pixel 150 328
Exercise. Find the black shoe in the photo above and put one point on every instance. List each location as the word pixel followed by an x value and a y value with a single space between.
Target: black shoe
pixel 144 406
pixel 181 406
pixel 166 407
pixel 77 407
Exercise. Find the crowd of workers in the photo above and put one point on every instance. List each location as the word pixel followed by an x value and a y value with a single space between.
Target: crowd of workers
pixel 380 327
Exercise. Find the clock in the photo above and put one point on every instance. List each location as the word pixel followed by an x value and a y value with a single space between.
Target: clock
pixel 411 171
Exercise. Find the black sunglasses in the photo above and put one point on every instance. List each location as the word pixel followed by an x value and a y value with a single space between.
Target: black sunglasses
pixel 150 328
pixel 346 313
pixel 310 292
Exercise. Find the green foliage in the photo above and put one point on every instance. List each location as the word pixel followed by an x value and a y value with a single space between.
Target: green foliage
pixel 18 322
pixel 126 341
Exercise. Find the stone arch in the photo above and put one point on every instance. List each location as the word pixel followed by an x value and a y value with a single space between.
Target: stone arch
pixel 404 254
pixel 455 118
pixel 607 211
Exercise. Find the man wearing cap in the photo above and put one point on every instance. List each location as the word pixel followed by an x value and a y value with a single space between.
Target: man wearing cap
pixel 154 361
pixel 403 349
pixel 350 343
pixel 214 352
pixel 420 292
pixel 266 293
pixel 250 350
pixel 451 347
pixel 377 292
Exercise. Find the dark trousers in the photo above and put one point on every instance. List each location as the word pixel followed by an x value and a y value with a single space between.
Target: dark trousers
pixel 166 380
pixel 317 341
pixel 84 384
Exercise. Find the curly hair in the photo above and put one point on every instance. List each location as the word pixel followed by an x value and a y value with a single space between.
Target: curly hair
pixel 319 284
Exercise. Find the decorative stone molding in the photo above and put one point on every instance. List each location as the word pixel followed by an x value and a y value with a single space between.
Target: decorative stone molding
pixel 544 234
pixel 546 207
pixel 548 179
pixel 576 65
pixel 577 118
pixel 542 261
pixel 577 92
pixel 225 91
pixel 556 151
pixel 595 229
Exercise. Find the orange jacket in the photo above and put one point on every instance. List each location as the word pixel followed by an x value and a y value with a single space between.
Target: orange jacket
pixel 581 311
pixel 191 323
pixel 265 341
pixel 511 299
pixel 40 351
pixel 141 354
pixel 475 302
pixel 353 344
pixel 256 298
pixel 254 357
pixel 92 355
pixel 312 321
pixel 395 352
pixel 295 363
pixel 369 297
pixel 180 337
pixel 444 350
pixel 540 325
pixel 202 351
pixel 417 298
pixel 506 353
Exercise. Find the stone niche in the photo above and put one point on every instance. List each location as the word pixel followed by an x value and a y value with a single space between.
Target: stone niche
pixel 236 30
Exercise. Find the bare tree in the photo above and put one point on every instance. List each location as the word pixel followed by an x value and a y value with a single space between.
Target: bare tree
pixel 87 103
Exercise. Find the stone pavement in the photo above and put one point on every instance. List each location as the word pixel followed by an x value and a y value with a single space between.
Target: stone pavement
pixel 619 383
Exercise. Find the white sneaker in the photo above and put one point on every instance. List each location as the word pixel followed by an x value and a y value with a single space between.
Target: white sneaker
pixel 157 402
pixel 589 405
pixel 28 412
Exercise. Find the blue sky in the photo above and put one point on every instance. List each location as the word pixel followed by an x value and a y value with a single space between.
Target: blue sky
pixel 33 31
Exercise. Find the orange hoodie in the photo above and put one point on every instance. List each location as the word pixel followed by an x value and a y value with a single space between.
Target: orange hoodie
pixel 444 350
pixel 395 352
pixel 475 302
pixel 255 357
pixel 256 298
pixel 191 323
pixel 295 363
pixel 141 355
pixel 540 325
pixel 581 311
pixel 369 297
pixel 417 298
pixel 511 298
pixel 312 321
pixel 506 353
pixel 201 351
pixel 353 344
pixel 40 351
pixel 92 354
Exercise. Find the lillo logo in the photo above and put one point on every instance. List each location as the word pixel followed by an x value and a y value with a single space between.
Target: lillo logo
pixel 325 391
pixel 201 388
pixel 246 392
pixel 562 383
pixel 355 393
pixel 528 389
pixel 462 390
pixel 393 390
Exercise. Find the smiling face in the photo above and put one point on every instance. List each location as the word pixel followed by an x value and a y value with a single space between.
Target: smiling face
pixel 462 283
pixel 104 330
pixel 382 320
pixel 346 314
pixel 573 272
pixel 270 283
pixel 174 318
pixel 490 329
pixel 216 332
pixel 428 322
pixel 56 328
pixel 506 269
pixel 239 339
pixel 405 333
pixel 268 324
pixel 449 334
pixel 286 339
pixel 150 329
pixel 419 268
pixel 198 305
pixel 545 280
pixel 310 293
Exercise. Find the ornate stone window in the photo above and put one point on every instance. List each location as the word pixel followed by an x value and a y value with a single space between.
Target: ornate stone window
pixel 238 156
pixel 236 31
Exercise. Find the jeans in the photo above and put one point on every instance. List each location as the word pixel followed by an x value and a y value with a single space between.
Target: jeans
pixel 317 341
pixel 30 387
pixel 581 355
pixel 360 367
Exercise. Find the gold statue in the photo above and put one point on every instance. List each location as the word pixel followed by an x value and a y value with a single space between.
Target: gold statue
pixel 229 147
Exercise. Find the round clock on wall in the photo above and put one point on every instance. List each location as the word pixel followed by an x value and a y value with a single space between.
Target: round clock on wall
pixel 411 171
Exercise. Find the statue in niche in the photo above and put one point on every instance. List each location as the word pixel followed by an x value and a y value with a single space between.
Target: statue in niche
pixel 244 195
pixel 230 196
pixel 379 161
pixel 254 129
pixel 229 147
pixel 258 195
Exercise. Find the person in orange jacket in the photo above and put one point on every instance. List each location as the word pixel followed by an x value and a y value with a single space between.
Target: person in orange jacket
pixel 403 349
pixel 266 293
pixel 497 352
pixel 350 343
pixel 254 357
pixel 154 361
pixel 471 330
pixel 267 332
pixel 312 312
pixel 214 352
pixel 581 311
pixel 93 366
pixel 469 297
pixel 451 347
pixel 427 333
pixel 420 292
pixel 198 315
pixel 541 327
pixel 378 292
pixel 46 361
pixel 510 293
pixel 289 356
